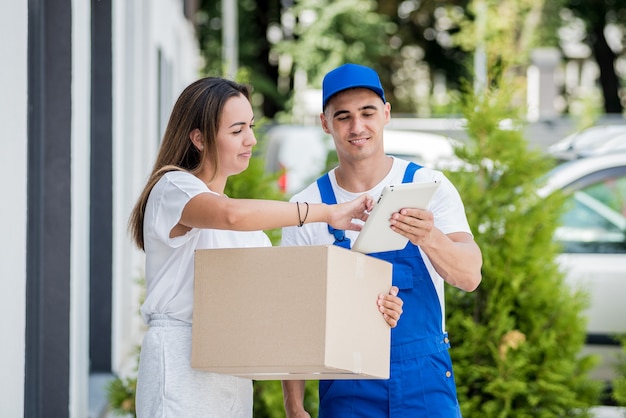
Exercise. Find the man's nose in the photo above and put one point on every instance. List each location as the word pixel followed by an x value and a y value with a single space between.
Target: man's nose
pixel 357 125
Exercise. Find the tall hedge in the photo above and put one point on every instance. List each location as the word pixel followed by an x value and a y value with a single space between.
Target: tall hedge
pixel 619 384
pixel 516 339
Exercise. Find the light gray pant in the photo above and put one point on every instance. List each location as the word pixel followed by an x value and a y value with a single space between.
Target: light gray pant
pixel 167 386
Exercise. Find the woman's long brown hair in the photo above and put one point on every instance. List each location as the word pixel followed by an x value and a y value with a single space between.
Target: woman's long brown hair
pixel 199 106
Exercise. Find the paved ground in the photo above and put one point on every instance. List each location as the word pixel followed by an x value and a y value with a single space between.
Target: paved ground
pixel 609 412
pixel 98 403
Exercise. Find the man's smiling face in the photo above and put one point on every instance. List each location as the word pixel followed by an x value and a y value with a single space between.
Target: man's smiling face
pixel 355 118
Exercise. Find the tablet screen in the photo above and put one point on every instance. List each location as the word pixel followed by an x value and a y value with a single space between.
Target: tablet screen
pixel 376 235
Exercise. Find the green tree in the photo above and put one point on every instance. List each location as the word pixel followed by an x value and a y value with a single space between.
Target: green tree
pixel 424 39
pixel 517 338
pixel 254 183
pixel 405 41
pixel 597 16
pixel 327 34
pixel 255 17
pixel 268 399
pixel 619 384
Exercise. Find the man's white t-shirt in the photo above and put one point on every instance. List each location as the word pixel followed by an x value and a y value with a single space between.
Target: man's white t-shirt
pixel 446 206
pixel 170 261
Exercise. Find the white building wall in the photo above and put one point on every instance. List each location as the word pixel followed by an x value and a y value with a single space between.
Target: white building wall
pixel 141 29
pixel 13 171
pixel 79 263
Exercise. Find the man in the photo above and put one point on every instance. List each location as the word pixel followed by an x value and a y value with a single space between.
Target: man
pixel 441 248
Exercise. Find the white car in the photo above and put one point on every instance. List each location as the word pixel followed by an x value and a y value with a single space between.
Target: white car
pixel 593 235
pixel 596 140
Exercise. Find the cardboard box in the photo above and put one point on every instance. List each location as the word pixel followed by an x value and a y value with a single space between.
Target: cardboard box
pixel 282 313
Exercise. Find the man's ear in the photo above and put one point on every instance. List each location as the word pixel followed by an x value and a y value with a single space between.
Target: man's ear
pixel 387 110
pixel 324 122
pixel 197 139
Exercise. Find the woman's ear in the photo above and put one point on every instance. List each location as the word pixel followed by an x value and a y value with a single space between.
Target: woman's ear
pixel 197 139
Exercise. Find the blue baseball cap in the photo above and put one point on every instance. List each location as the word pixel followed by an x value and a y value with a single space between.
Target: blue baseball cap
pixel 350 76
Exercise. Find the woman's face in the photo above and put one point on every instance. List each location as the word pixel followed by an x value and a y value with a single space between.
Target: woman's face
pixel 235 137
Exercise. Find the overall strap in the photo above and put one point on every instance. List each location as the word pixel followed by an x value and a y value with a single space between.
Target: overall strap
pixel 409 173
pixel 328 197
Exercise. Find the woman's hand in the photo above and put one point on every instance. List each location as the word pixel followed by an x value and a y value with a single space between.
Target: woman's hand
pixel 342 214
pixel 390 306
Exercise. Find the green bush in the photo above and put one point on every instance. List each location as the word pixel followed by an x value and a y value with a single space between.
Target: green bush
pixel 619 384
pixel 516 340
pixel 254 183
pixel 121 396
pixel 268 399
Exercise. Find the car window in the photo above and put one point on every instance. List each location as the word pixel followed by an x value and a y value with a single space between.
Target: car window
pixel 611 192
pixel 594 221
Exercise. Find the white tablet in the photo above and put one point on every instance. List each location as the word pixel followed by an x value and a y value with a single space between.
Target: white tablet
pixel 377 235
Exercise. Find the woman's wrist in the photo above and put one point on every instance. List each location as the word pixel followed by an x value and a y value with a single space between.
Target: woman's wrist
pixel 303 212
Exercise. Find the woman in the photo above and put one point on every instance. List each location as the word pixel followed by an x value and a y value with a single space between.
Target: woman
pixel 182 208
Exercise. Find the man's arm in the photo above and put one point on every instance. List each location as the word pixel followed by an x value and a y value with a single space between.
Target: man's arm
pixel 455 256
pixel 293 398
pixel 457 259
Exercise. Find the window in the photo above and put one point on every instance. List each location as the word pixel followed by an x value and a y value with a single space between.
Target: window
pixel 595 220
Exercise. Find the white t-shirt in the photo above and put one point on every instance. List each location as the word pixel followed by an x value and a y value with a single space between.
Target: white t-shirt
pixel 169 261
pixel 446 206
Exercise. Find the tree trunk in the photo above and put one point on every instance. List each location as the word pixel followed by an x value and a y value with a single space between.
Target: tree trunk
pixel 267 12
pixel 605 57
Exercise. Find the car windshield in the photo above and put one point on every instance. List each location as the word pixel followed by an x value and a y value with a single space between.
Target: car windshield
pixel 594 221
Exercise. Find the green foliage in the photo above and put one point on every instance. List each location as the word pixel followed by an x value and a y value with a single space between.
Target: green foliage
pixel 255 183
pixel 255 18
pixel 507 29
pixel 585 108
pixel 121 396
pixel 268 399
pixel 121 390
pixel 619 384
pixel 517 338
pixel 329 34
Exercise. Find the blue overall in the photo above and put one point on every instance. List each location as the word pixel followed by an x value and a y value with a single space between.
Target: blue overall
pixel 421 382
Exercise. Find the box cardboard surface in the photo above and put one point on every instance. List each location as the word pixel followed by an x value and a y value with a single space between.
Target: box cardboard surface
pixel 281 313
